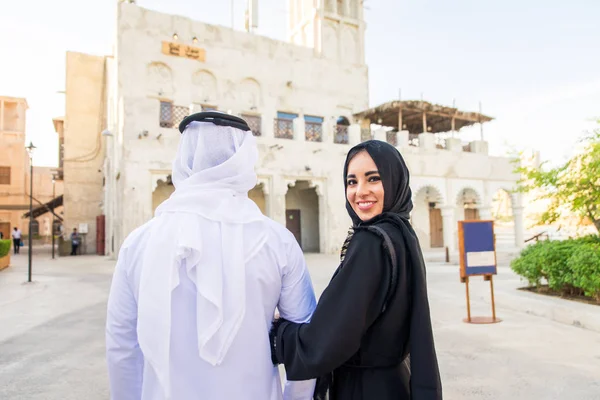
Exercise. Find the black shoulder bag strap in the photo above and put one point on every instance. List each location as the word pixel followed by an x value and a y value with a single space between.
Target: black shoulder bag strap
pixel 389 246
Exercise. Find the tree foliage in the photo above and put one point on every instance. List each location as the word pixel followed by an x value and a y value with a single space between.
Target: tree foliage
pixel 572 188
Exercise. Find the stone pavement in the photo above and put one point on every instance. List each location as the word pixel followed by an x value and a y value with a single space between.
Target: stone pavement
pixel 52 334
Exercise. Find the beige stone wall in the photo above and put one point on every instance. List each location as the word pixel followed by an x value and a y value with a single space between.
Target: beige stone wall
pixel 84 150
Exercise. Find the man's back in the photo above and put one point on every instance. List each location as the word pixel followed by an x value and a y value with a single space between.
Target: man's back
pixel 276 276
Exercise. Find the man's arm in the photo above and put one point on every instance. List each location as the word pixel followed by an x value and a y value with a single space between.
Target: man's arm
pixel 123 354
pixel 297 303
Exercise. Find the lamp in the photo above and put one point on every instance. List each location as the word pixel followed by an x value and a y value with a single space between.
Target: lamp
pixel 30 150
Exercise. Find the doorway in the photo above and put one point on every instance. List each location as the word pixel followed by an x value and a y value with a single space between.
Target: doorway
pixel 292 223
pixel 436 228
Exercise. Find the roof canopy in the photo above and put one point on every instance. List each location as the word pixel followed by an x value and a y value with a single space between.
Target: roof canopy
pixel 412 113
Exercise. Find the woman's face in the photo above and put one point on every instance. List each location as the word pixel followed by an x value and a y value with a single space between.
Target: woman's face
pixel 364 189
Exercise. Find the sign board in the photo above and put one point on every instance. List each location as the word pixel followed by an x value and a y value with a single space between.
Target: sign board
pixel 477 247
pixel 183 50
pixel 83 228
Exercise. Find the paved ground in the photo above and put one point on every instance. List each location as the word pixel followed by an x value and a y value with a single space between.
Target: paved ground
pixel 52 344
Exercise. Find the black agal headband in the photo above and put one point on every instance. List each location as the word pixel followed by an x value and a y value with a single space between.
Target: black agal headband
pixel 216 118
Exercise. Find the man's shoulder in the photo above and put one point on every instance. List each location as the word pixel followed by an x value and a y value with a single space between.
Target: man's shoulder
pixel 280 232
pixel 137 235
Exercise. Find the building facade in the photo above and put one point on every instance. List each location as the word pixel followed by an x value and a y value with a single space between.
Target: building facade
pixel 302 98
pixel 15 174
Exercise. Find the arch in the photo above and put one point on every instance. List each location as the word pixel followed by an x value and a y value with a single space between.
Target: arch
pixel 304 215
pixel 342 121
pixel 205 87
pixel 468 195
pixel 426 215
pixel 251 93
pixel 433 188
pixel 162 190
pixel 159 78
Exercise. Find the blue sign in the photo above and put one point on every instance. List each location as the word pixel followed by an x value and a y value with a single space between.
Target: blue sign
pixel 477 248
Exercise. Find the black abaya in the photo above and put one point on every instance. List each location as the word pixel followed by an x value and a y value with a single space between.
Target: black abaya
pixel 349 333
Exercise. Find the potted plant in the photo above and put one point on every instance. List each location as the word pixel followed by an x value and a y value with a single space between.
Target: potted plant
pixel 5 246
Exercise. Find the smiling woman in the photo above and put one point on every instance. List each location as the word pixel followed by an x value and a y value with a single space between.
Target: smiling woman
pixel 357 341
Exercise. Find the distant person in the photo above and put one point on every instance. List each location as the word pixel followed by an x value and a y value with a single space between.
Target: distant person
pixel 75 240
pixel 16 236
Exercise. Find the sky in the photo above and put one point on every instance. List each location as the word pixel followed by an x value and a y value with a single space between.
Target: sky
pixel 534 65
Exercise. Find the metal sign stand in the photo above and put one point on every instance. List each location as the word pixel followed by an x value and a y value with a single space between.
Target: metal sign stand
pixel 487 272
pixel 481 320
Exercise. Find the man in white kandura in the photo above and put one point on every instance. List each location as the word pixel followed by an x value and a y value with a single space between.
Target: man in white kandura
pixel 195 289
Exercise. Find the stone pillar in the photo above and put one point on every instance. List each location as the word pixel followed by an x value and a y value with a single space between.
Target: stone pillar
pixel 380 134
pixel 427 141
pixel 277 200
pixel 479 147
pixel 519 228
pixel 402 137
pixel 354 134
pixel 299 129
pixel 454 145
pixel 448 226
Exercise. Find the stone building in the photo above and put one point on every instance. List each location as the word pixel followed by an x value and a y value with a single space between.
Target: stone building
pixel 15 174
pixel 303 98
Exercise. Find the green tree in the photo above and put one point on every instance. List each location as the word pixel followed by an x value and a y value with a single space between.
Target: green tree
pixel 573 187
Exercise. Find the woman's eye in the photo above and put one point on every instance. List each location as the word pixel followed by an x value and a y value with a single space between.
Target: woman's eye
pixel 351 182
pixel 374 179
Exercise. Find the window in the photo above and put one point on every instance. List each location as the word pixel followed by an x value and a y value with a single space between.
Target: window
pixel 166 114
pixel 4 175
pixel 35 228
pixel 284 125
pixel 313 128
pixel 254 122
pixel 172 115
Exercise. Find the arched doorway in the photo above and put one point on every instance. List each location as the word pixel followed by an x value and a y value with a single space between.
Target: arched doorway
pixel 302 215
pixel 467 203
pixel 257 195
pixel 164 189
pixel 502 206
pixel 427 217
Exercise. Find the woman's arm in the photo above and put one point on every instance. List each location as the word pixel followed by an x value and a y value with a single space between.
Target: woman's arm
pixel 346 309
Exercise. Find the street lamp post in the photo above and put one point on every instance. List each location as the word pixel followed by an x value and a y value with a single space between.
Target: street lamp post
pixel 53 220
pixel 30 150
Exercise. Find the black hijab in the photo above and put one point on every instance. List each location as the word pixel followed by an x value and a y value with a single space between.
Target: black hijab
pixel 397 205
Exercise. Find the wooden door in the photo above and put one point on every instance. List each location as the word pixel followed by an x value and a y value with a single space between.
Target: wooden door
pixel 436 228
pixel 292 222
pixel 471 214
pixel 5 229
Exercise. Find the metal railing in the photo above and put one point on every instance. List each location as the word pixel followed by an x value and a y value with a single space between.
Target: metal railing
pixel 254 122
pixel 341 134
pixel 313 131
pixel 284 128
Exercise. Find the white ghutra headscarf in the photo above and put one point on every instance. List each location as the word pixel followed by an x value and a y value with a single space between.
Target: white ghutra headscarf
pixel 202 225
